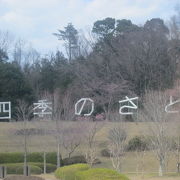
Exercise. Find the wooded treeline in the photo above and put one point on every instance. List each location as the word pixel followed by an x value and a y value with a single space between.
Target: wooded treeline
pixel 118 58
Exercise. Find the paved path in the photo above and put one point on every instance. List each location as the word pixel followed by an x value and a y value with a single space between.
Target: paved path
pixel 48 177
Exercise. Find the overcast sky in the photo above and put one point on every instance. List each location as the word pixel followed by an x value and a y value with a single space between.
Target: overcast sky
pixel 36 20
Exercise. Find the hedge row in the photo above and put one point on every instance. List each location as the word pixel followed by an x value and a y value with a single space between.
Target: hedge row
pixel 17 157
pixel 38 158
pixel 83 172
pixel 17 168
pixel 49 167
pixel 36 168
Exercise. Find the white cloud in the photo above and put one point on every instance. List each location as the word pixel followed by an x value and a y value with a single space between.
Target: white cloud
pixel 18 4
pixel 36 20
pixel 16 19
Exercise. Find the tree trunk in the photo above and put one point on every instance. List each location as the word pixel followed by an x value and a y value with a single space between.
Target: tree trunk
pixel 58 157
pixel 25 150
pixel 44 162
pixel 178 155
pixel 25 164
pixel 161 167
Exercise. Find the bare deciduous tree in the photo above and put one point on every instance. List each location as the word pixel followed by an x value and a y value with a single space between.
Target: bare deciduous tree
pixel 174 25
pixel 91 128
pixel 140 152
pixel 23 112
pixel 62 111
pixel 71 137
pixel 117 139
pixel 43 129
pixel 153 113
pixel 177 149
pixel 6 38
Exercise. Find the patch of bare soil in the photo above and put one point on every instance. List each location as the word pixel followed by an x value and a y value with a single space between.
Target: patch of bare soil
pixel 153 178
pixel 23 178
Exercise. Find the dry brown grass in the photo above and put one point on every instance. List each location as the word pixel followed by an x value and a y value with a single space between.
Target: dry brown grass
pixel 152 178
pixel 10 143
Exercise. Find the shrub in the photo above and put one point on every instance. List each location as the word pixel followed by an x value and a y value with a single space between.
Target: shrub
pixel 137 143
pixel 35 157
pixel 51 158
pixel 96 161
pixel 49 167
pixel 105 153
pixel 77 160
pixel 99 174
pixel 68 172
pixel 74 160
pixel 11 157
pixel 17 168
pixel 31 157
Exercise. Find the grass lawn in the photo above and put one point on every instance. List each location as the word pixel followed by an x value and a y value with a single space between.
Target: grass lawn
pixel 11 143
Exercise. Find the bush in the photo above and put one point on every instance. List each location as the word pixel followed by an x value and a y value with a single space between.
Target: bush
pixel 51 158
pixel 49 167
pixel 68 172
pixel 17 168
pixel 77 160
pixel 74 160
pixel 35 157
pixel 99 174
pixel 96 161
pixel 11 158
pixel 138 143
pixel 105 153
pixel 31 157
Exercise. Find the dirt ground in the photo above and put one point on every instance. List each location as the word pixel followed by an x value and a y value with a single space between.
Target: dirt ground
pixel 156 178
pixel 153 178
pixel 48 177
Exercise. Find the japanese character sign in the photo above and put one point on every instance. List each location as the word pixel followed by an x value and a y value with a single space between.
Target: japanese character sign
pixel 129 105
pixel 171 104
pixel 82 102
pixel 43 107
pixel 5 110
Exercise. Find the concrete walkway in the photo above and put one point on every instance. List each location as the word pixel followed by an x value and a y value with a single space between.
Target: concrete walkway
pixel 48 177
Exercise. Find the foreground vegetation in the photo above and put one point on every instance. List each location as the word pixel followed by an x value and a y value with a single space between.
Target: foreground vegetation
pixel 84 172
